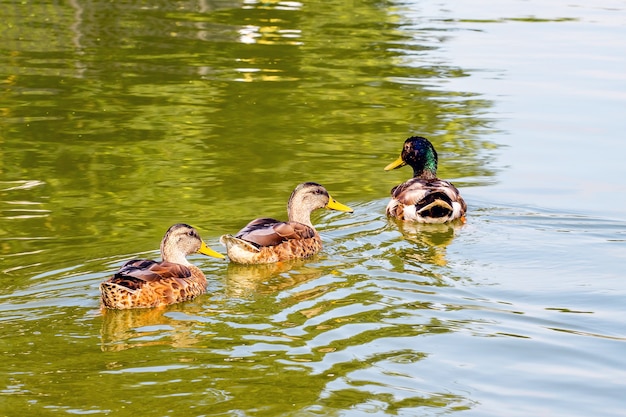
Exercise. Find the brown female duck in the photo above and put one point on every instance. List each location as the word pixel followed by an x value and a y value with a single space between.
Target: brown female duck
pixel 424 198
pixel 268 240
pixel 142 283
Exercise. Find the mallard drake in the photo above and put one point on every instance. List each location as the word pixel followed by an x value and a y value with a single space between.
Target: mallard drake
pixel 267 240
pixel 142 283
pixel 424 198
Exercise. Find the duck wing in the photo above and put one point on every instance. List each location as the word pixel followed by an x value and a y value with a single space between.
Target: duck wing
pixel 271 232
pixel 135 273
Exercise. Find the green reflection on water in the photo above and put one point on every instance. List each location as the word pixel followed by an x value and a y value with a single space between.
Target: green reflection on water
pixel 143 137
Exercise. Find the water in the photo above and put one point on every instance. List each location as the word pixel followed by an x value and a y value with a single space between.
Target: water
pixel 118 120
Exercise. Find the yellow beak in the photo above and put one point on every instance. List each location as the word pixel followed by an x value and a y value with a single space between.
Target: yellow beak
pixel 395 164
pixel 205 250
pixel 336 205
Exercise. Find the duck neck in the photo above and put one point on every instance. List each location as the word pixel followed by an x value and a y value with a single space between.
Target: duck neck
pixel 425 166
pixel 172 255
pixel 425 173
pixel 298 213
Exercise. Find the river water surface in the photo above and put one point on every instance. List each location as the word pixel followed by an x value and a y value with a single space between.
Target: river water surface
pixel 118 119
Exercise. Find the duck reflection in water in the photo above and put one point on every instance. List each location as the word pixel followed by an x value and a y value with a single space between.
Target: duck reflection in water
pixel 431 240
pixel 126 329
pixel 244 281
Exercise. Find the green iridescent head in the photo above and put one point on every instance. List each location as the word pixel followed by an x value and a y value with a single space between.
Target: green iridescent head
pixel 420 155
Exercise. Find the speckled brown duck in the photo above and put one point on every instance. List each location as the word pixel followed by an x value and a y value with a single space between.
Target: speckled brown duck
pixel 143 283
pixel 266 240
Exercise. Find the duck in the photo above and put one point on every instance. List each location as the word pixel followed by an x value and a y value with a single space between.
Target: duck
pixel 144 283
pixel 267 240
pixel 423 198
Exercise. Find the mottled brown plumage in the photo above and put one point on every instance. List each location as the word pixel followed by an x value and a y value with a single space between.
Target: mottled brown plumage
pixel 266 240
pixel 423 198
pixel 143 283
